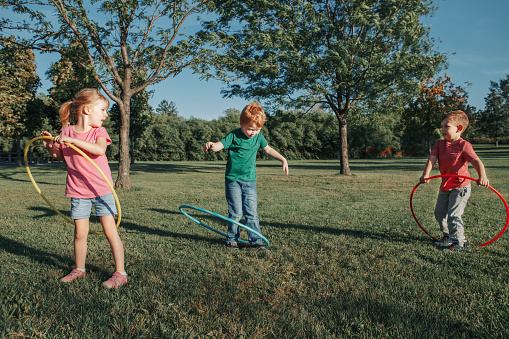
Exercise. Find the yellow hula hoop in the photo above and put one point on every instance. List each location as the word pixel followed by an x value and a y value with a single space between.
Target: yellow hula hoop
pixel 69 220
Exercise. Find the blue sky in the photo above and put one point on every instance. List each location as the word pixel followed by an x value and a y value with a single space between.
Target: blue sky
pixel 473 33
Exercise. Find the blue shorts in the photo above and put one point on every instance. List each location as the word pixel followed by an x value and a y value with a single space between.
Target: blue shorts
pixel 104 205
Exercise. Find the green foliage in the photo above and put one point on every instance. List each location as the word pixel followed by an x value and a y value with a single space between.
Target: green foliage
pixel 337 53
pixel 18 86
pixel 494 120
pixel 166 107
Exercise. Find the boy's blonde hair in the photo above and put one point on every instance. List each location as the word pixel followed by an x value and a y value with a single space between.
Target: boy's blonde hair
pixel 71 109
pixel 459 118
pixel 253 113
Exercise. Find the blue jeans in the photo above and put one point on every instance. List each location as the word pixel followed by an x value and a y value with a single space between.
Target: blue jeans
pixel 242 198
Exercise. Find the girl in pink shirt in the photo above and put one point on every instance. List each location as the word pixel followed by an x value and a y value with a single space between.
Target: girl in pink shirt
pixel 85 185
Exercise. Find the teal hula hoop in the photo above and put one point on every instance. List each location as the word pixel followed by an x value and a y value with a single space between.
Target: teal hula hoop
pixel 181 208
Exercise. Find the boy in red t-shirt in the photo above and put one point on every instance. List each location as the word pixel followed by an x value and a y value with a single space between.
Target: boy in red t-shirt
pixel 453 155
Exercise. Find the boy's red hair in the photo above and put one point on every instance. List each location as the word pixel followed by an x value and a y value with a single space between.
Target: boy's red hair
pixel 253 113
pixel 459 118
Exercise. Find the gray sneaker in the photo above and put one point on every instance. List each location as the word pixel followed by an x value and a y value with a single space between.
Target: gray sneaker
pixel 455 247
pixel 445 241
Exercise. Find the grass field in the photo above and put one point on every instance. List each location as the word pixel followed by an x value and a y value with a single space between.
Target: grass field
pixel 346 257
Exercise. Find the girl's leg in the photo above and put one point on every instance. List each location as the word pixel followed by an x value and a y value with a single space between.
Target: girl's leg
pixel 117 248
pixel 80 242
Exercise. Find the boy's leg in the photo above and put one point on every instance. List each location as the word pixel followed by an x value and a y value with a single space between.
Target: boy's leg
pixel 441 211
pixel 234 198
pixel 249 207
pixel 457 201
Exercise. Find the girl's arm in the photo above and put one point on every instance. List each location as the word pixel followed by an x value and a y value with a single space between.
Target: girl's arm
pixel 275 154
pixel 97 148
pixel 50 147
pixel 427 169
pixel 214 146
pixel 481 172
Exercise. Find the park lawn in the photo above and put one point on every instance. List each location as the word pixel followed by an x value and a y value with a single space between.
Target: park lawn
pixel 346 257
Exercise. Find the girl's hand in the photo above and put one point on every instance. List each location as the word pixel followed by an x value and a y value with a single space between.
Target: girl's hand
pixel 46 142
pixel 424 180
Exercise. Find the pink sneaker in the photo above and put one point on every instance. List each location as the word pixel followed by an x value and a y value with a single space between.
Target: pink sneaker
pixel 75 274
pixel 116 280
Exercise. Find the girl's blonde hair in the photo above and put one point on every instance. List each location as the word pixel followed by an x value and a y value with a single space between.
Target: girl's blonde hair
pixel 459 118
pixel 253 113
pixel 70 110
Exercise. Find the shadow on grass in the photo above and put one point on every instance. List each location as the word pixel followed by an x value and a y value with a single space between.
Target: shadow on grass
pixel 164 233
pixel 46 212
pixel 346 232
pixel 20 249
pixel 327 230
pixel 175 167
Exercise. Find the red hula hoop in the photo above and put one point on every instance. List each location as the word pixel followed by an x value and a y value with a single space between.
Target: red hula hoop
pixel 469 178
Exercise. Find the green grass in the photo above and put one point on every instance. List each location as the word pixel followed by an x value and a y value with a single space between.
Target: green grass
pixel 347 259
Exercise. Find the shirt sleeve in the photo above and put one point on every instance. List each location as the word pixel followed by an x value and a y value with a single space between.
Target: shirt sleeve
pixel 227 140
pixel 263 141
pixel 469 153
pixel 436 149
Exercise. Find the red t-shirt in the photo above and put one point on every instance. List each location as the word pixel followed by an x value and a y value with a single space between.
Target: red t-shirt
pixel 453 158
pixel 83 179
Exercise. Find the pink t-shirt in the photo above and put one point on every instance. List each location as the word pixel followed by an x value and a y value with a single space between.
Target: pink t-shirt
pixel 83 179
pixel 453 158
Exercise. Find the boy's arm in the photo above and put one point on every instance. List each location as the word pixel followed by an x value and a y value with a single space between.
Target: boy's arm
pixel 275 154
pixel 50 147
pixel 427 169
pixel 214 146
pixel 481 172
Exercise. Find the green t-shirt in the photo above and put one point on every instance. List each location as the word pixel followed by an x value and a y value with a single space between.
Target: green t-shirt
pixel 242 151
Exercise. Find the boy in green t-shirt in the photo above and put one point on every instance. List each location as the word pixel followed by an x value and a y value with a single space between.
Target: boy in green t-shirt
pixel 240 177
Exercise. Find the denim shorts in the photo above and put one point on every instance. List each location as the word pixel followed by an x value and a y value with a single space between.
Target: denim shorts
pixel 104 205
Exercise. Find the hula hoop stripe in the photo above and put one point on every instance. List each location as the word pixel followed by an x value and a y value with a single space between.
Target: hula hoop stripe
pixel 181 208
pixel 69 220
pixel 469 178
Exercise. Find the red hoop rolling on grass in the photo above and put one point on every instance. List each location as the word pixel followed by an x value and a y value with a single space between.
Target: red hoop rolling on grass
pixel 469 178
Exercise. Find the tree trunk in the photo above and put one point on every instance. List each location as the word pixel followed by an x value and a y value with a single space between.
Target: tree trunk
pixel 18 149
pixel 131 148
pixel 123 179
pixel 343 131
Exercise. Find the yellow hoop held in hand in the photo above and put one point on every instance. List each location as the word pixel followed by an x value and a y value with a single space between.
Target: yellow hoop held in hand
pixel 86 157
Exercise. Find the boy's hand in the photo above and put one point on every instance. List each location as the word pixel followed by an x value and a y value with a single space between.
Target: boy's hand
pixel 424 180
pixel 285 167
pixel 483 181
pixel 207 145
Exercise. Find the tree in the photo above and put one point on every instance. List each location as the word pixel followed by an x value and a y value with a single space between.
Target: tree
pixel 147 35
pixel 436 98
pixel 494 120
pixel 336 53
pixel 17 88
pixel 168 108
pixel 69 77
